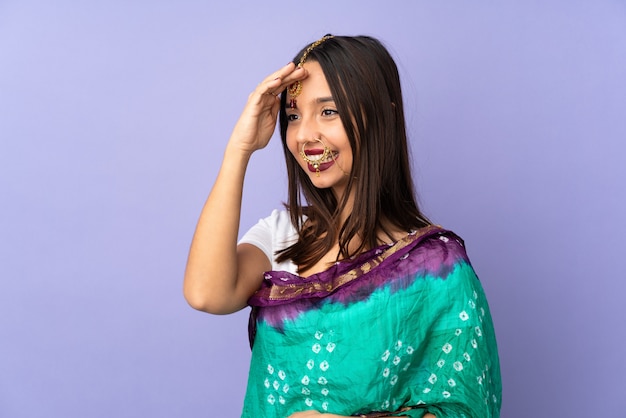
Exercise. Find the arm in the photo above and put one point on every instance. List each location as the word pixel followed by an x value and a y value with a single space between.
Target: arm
pixel 220 276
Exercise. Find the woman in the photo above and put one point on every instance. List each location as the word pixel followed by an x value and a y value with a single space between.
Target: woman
pixel 360 306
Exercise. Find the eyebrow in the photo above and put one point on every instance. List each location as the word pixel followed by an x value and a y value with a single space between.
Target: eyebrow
pixel 324 99
pixel 319 100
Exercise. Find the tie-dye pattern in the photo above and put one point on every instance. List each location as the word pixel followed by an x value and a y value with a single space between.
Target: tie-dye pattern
pixel 404 325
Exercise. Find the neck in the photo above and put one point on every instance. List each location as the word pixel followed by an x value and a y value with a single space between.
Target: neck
pixel 347 209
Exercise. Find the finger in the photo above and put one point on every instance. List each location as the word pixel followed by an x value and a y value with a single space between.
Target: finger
pixel 300 73
pixel 282 72
pixel 272 81
pixel 275 87
pixel 282 78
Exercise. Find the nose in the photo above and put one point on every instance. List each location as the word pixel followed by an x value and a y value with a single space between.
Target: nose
pixel 306 129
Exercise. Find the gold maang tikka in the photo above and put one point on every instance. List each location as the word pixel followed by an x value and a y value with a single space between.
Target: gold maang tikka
pixel 295 89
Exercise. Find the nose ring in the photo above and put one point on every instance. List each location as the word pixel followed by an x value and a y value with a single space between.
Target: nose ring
pixel 316 162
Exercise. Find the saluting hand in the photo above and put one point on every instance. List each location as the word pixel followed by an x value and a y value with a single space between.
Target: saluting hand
pixel 258 119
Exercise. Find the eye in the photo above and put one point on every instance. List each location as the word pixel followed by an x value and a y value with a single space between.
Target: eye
pixel 292 117
pixel 329 112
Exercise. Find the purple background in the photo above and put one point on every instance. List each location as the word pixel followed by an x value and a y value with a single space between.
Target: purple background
pixel 113 119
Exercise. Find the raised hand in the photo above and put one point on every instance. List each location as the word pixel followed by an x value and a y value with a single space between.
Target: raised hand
pixel 220 278
pixel 258 119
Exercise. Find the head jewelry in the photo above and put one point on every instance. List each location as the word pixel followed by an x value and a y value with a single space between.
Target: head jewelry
pixel 295 89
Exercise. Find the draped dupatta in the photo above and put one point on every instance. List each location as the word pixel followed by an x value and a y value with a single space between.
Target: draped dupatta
pixel 400 330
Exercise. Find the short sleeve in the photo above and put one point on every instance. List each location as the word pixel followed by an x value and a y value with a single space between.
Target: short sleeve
pixel 272 234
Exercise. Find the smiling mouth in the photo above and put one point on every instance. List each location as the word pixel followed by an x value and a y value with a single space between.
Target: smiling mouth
pixel 316 157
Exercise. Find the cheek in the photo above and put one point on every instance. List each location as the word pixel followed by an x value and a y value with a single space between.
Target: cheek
pixel 292 145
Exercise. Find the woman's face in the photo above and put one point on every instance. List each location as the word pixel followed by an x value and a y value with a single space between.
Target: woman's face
pixel 315 124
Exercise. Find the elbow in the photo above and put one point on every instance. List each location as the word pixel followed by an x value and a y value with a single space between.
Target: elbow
pixel 196 302
pixel 198 297
pixel 208 302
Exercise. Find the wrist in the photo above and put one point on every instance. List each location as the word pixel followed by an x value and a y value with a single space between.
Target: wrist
pixel 237 152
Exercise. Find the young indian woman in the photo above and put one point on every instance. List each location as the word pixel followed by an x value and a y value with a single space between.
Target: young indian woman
pixel 360 305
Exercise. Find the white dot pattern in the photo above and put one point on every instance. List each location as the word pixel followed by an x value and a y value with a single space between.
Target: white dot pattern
pixel 449 360
pixel 313 383
pixel 444 379
pixel 396 360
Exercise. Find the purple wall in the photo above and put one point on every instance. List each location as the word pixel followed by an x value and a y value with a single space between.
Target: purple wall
pixel 113 119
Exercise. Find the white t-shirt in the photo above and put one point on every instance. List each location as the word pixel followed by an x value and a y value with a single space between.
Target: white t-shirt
pixel 272 234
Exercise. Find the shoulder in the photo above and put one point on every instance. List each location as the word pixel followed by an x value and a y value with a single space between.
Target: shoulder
pixel 271 234
pixel 279 218
pixel 439 248
pixel 278 224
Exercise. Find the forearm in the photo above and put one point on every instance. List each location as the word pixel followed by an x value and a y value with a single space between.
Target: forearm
pixel 219 278
pixel 210 282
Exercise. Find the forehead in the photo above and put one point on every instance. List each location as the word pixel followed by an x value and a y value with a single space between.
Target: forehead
pixel 315 84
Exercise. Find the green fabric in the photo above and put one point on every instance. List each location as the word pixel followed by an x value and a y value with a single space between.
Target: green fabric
pixel 431 343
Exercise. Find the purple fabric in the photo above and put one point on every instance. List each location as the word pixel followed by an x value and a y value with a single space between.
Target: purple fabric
pixel 431 254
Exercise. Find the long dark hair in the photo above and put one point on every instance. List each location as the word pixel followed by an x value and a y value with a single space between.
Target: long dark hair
pixel 365 85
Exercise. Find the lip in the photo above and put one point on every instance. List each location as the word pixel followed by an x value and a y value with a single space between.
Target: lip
pixel 321 167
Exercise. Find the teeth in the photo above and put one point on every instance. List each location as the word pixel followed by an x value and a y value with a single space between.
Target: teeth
pixel 317 157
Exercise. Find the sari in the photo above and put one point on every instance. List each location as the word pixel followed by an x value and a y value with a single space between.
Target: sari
pixel 400 330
